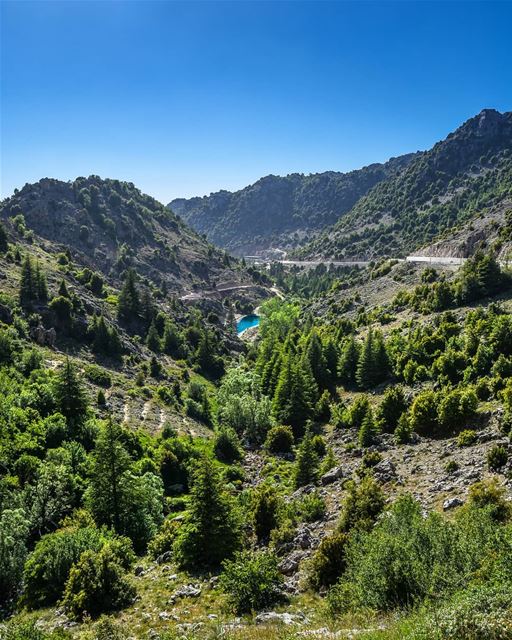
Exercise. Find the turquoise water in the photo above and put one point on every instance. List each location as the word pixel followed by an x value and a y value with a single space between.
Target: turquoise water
pixel 246 322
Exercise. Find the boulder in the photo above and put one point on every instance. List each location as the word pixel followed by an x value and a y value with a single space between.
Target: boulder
pixel 452 503
pixel 332 475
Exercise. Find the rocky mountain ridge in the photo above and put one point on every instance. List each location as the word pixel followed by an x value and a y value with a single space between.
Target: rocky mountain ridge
pixel 281 210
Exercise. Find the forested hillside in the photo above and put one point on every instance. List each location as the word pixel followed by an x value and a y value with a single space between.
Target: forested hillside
pixel 461 178
pixel 280 211
pixel 162 478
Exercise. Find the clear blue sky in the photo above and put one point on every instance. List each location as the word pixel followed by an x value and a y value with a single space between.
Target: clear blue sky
pixel 185 98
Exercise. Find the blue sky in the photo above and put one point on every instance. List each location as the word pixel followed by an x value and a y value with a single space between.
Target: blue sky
pixel 185 98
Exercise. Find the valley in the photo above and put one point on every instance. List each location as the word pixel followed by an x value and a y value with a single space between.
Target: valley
pixel 311 442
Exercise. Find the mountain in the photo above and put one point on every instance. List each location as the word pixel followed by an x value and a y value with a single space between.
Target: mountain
pixel 109 225
pixel 459 179
pixel 279 211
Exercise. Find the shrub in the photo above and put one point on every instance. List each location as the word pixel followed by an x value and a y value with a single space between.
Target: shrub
pixel 252 581
pixel 97 584
pixel 98 376
pixel 279 440
pixel 466 438
pixel 451 466
pixel 47 569
pixel 319 445
pixel 265 512
pixel 165 538
pixel 312 507
pixel 328 562
pixel 488 494
pixel 364 502
pixel 497 457
pixel 226 445
pixel 483 612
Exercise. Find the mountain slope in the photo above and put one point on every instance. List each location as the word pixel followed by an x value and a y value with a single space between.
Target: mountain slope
pixel 457 180
pixel 110 225
pixel 279 210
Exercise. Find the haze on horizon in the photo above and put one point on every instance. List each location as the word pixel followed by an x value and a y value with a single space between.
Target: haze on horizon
pixel 187 98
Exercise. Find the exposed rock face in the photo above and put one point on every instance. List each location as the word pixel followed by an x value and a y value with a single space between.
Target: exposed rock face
pixel 275 207
pixel 439 190
pixel 110 225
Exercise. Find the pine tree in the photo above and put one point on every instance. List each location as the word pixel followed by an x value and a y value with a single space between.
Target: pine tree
pixel 70 397
pixel 367 432
pixel 306 465
pixel 63 290
pixel 128 307
pixel 153 339
pixel 347 365
pixel 147 310
pixel 211 532
pixel 291 404
pixel 331 359
pixel 4 244
pixel 317 363
pixel 28 285
pixel 41 285
pixel 101 342
pixel 380 357
pixel 172 342
pixel 366 373
pixel 265 512
pixel 107 495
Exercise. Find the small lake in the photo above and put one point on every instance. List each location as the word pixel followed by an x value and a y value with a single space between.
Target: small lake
pixel 246 322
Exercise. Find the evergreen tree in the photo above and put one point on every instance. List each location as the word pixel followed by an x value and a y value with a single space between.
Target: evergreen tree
pixel 331 359
pixel 128 307
pixel 153 339
pixel 367 432
pixel 63 290
pixel 212 531
pixel 291 404
pixel 265 512
pixel 347 364
pixel 380 357
pixel 119 498
pixel 101 342
pixel 110 464
pixel 147 310
pixel 70 396
pixel 28 285
pixel 314 355
pixel 4 244
pixel 306 465
pixel 41 285
pixel 365 373
pixel 172 342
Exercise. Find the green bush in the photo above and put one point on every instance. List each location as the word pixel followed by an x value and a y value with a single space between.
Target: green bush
pixel 265 511
pixel 466 438
pixel 226 445
pixel 364 502
pixel 165 538
pixel 279 440
pixel 252 581
pixel 483 612
pixel 328 561
pixel 98 584
pixel 497 457
pixel 312 507
pixel 47 569
pixel 98 376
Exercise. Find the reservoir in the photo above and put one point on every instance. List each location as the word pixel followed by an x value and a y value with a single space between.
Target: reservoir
pixel 246 322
